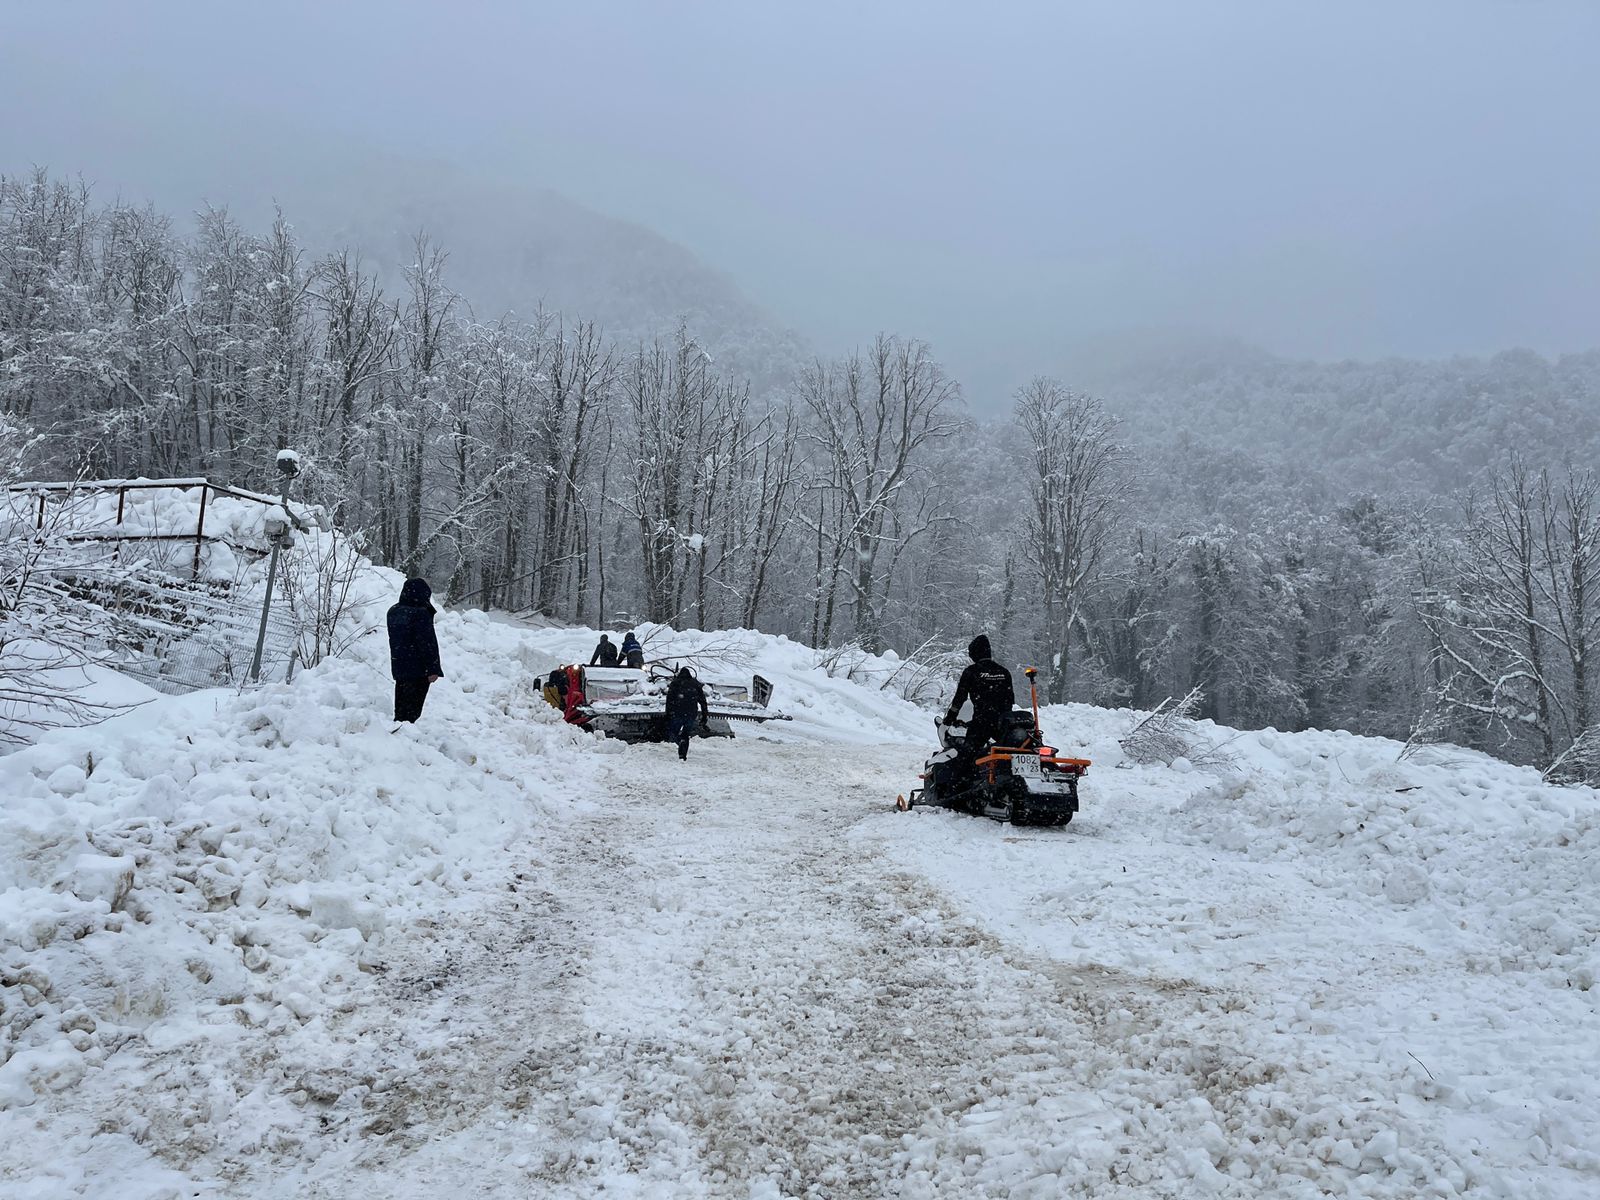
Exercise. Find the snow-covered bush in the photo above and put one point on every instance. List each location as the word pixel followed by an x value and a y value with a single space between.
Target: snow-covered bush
pixel 1169 734
pixel 52 635
pixel 925 676
pixel 1580 762
pixel 332 593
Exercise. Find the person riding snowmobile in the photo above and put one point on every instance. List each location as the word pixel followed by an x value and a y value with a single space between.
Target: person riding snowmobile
pixel 686 709
pixel 632 651
pixel 988 685
pixel 605 654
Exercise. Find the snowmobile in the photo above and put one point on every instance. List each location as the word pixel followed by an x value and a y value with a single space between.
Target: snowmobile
pixel 631 704
pixel 1018 779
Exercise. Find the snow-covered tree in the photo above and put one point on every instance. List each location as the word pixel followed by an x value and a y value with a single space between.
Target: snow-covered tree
pixel 1077 483
pixel 871 416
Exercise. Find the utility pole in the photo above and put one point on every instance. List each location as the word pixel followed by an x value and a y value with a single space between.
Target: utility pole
pixel 280 532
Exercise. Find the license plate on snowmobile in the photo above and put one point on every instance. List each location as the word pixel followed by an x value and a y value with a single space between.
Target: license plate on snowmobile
pixel 1025 764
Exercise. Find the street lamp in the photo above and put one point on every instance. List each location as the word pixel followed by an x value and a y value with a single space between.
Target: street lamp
pixel 280 529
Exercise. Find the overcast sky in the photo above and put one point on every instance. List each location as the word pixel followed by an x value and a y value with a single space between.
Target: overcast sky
pixel 1332 179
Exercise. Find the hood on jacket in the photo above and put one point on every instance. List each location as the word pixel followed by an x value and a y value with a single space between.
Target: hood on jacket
pixel 980 648
pixel 416 593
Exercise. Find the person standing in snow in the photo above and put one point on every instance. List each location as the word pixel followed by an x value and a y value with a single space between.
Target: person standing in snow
pixel 605 654
pixel 413 649
pixel 632 651
pixel 686 709
pixel 988 685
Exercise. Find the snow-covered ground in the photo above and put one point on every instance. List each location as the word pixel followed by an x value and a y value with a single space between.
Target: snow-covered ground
pixel 271 946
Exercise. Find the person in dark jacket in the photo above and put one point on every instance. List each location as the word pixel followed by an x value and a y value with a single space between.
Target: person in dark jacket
pixel 632 651
pixel 686 709
pixel 413 649
pixel 988 685
pixel 605 654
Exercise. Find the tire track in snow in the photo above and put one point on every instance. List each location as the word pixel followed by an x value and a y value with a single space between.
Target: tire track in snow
pixel 847 1034
pixel 840 1032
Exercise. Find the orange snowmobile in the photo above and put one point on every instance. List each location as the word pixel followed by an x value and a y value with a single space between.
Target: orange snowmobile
pixel 1023 781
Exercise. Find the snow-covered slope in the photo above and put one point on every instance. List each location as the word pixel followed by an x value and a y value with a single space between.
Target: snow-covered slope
pixel 216 861
pixel 272 946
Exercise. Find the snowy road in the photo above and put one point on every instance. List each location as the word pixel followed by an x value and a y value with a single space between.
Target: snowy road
pixel 713 985
pixel 719 982
pixel 733 996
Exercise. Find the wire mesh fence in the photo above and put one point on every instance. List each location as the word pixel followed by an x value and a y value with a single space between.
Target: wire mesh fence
pixel 180 635
pixel 165 573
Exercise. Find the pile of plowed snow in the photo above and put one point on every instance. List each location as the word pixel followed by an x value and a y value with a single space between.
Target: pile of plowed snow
pixel 217 859
pixel 1495 860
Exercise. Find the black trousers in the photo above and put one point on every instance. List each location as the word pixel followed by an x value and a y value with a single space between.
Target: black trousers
pixel 680 729
pixel 979 735
pixel 408 697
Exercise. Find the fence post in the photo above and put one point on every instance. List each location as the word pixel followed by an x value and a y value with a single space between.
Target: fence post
pixel 116 546
pixel 200 530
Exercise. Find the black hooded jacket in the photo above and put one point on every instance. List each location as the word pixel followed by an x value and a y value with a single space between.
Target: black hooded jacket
pixel 413 648
pixel 987 684
pixel 605 654
pixel 685 695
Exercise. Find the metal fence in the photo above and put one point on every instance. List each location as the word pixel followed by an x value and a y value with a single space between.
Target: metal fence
pixel 42 495
pixel 144 591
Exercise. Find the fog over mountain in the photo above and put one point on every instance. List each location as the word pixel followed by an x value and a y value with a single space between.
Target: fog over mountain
pixel 1356 180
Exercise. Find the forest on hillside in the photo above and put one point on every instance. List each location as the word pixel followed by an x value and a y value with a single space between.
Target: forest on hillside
pixel 1400 548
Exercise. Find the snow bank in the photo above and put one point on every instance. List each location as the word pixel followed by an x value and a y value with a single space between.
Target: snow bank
pixel 216 860
pixel 1497 861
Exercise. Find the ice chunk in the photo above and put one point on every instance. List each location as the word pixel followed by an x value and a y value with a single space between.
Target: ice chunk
pixel 337 908
pixel 102 877
pixel 1406 884
pixel 53 1068
pixel 1583 977
pixel 68 780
